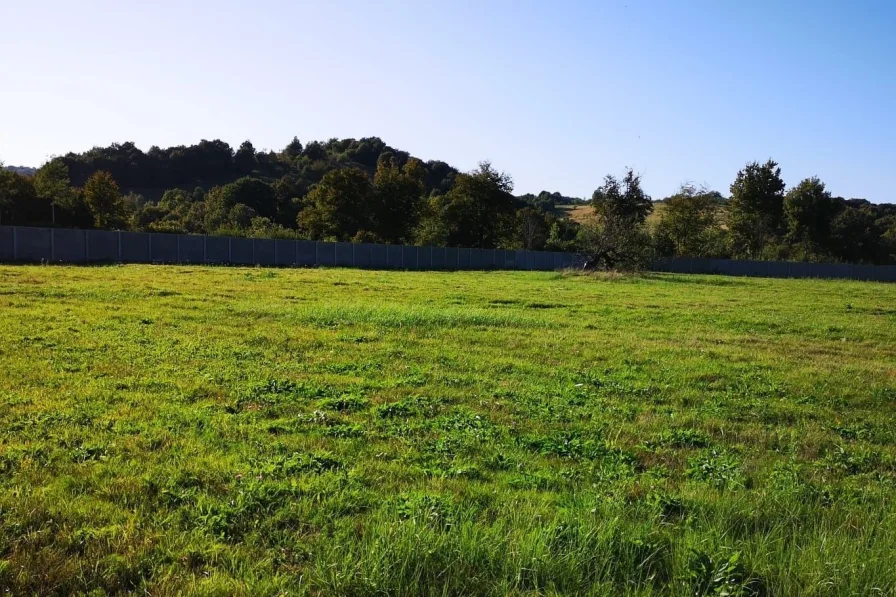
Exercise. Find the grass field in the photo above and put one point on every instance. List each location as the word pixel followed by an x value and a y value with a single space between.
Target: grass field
pixel 189 430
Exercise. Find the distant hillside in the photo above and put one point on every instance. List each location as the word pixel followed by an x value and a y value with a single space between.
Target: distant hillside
pixel 211 163
pixel 554 203
pixel 21 170
pixel 296 168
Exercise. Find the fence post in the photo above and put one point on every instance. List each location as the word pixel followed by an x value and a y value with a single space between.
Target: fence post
pixel 204 249
pixel 53 244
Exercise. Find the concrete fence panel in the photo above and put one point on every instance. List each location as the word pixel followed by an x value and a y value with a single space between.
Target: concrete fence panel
pixel 265 251
pixel 507 259
pixel 378 257
pixel 477 259
pixel 394 257
pixel 344 254
pixel 34 244
pixel 361 257
pixel 886 273
pixel 778 269
pixel 326 253
pixel 285 252
pixel 410 257
pixel 438 258
pixel 864 272
pixel 163 248
pixel 7 243
pixel 463 259
pixel 103 246
pixel 502 259
pixel 424 258
pixel 544 261
pixel 800 270
pixel 242 251
pixel 757 268
pixel 217 249
pixel 191 249
pixel 556 260
pixel 134 247
pixel 306 252
pixel 69 245
pixel 451 257
pixel 838 270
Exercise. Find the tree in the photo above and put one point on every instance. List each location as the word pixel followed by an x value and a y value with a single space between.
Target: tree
pixel 241 216
pixel 756 208
pixel 615 237
pixel 51 183
pixel 688 220
pixel 613 242
pixel 293 149
pixel 856 234
pixel 254 193
pixel 622 199
pixel 532 228
pixel 18 200
pixel 314 151
pixel 478 210
pixel 809 211
pixel 103 197
pixel 245 159
pixel 433 227
pixel 563 236
pixel 398 198
pixel 339 206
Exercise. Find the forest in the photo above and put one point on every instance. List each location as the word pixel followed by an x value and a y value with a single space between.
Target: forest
pixel 363 190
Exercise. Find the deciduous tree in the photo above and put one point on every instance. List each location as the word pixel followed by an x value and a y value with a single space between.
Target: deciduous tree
pixel 756 209
pixel 103 197
pixel 688 220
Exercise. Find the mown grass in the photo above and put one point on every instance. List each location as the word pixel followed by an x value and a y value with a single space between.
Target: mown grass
pixel 174 430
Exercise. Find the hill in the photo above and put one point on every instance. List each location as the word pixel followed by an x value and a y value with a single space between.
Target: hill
pixel 21 170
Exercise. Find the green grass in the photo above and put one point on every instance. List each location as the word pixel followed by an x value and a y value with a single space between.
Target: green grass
pixel 189 430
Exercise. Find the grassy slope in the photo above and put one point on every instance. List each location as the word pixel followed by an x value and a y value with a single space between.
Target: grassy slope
pixel 227 431
pixel 580 213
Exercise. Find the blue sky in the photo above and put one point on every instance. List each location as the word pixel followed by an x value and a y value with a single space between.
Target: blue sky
pixel 555 93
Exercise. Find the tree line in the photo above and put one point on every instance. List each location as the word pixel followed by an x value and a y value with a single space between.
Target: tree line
pixel 366 191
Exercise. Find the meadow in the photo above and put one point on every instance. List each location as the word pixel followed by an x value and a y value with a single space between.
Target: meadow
pixel 242 431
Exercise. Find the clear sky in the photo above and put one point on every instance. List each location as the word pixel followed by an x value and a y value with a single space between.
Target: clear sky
pixel 555 93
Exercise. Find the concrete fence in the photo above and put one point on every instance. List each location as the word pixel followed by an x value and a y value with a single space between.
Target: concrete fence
pixel 775 269
pixel 62 245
